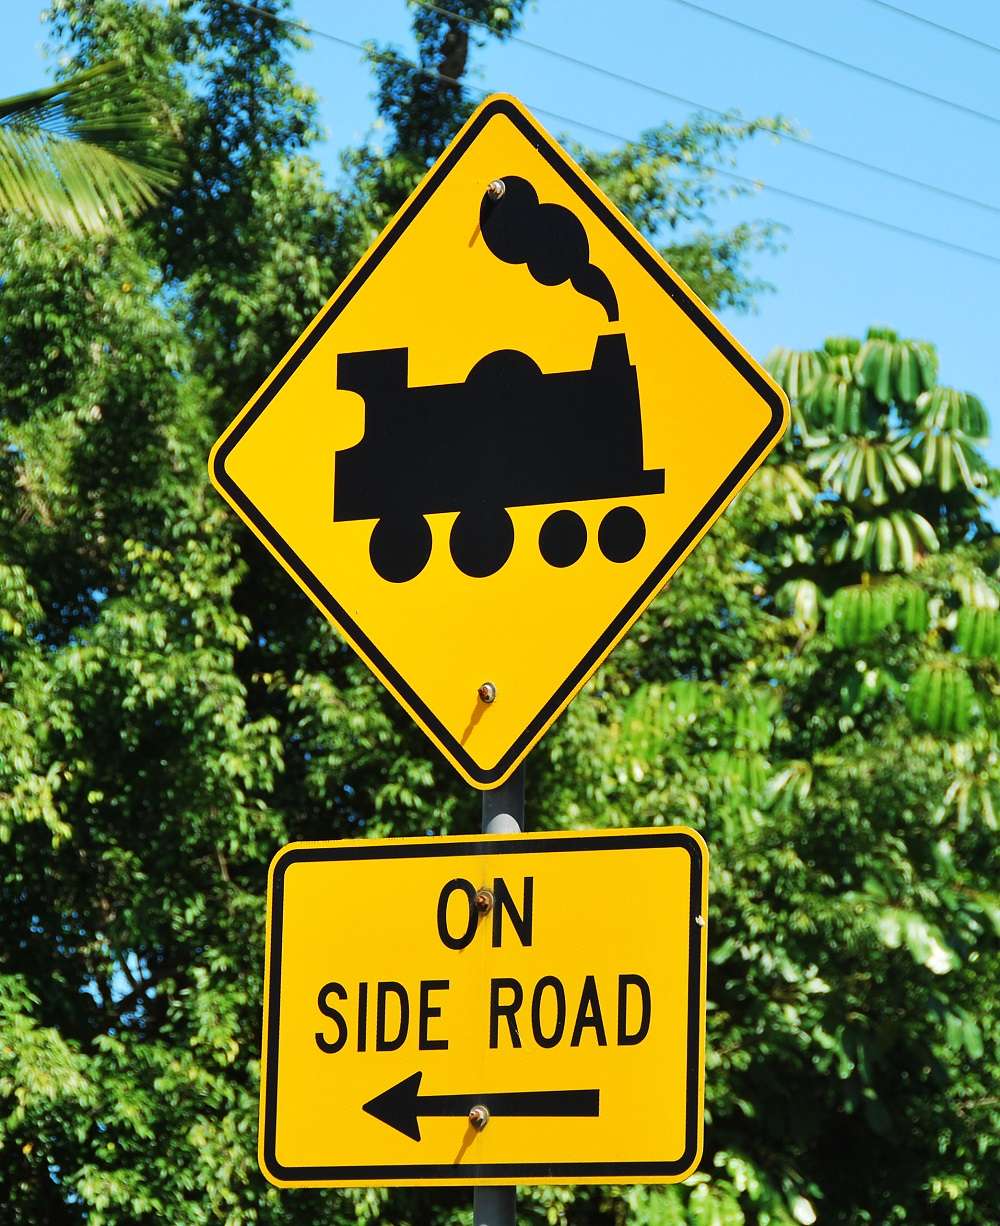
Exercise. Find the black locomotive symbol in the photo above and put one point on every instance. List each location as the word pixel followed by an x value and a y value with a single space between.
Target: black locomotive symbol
pixel 509 436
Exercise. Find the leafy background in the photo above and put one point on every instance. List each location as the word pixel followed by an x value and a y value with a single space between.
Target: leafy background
pixel 818 692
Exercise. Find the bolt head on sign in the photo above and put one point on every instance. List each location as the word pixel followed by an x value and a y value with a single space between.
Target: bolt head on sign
pixel 415 1036
pixel 497 441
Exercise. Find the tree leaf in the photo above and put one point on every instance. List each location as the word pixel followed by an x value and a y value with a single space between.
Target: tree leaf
pixel 891 368
pixel 941 697
pixel 795 370
pixel 977 632
pixel 944 408
pixel 859 614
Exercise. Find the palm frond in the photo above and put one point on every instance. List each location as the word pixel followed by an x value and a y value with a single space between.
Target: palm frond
pixel 86 152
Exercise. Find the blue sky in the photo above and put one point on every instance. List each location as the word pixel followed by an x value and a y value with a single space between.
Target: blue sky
pixel 835 275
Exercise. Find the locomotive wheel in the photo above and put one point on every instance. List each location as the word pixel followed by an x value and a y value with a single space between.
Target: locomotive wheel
pixel 563 538
pixel 481 541
pixel 400 547
pixel 622 534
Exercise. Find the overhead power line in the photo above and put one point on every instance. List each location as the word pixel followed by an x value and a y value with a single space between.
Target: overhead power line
pixel 430 74
pixel 848 64
pixel 936 25
pixel 847 158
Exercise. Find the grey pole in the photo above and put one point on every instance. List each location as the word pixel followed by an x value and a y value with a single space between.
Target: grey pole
pixel 503 813
pixel 503 808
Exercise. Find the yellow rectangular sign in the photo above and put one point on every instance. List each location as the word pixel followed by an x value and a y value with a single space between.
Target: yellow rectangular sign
pixel 485 1010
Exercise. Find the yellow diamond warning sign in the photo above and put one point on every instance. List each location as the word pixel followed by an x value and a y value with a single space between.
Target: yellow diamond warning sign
pixel 497 441
pixel 488 1010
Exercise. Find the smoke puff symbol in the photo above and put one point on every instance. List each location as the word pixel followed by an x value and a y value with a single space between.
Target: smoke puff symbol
pixel 546 237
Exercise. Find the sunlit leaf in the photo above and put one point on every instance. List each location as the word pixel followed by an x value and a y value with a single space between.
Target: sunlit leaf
pixel 786 484
pixel 886 543
pixel 791 784
pixel 795 369
pixel 941 697
pixel 799 599
pixel 947 456
pixel 834 400
pixel 975 588
pixel 944 408
pixel 977 632
pixel 895 369
pixel 859 614
pixel 855 466
pixel 912 607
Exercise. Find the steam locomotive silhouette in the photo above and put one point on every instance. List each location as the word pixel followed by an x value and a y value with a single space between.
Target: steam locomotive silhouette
pixel 509 436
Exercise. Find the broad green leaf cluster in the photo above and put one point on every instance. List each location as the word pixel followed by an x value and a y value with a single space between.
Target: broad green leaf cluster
pixel 818 692
pixel 839 745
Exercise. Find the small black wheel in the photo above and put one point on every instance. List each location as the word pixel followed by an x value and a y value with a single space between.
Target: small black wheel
pixel 481 541
pixel 622 534
pixel 400 547
pixel 563 538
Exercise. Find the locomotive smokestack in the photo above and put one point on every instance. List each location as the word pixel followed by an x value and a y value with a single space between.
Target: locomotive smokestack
pixel 545 237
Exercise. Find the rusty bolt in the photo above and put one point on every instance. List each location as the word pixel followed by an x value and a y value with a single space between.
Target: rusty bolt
pixel 496 189
pixel 487 692
pixel 479 1117
pixel 484 901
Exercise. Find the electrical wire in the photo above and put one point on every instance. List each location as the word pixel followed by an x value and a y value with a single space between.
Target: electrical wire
pixel 429 73
pixel 936 25
pixel 832 59
pixel 711 110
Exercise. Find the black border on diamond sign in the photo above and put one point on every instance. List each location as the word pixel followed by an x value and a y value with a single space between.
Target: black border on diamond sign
pixel 609 1172
pixel 490 776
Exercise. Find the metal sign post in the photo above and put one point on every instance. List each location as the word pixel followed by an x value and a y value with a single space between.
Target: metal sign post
pixel 494 1207
pixel 503 813
pixel 503 808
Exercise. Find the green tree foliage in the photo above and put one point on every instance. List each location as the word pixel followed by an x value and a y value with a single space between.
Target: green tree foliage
pixel 817 692
pixel 84 153
pixel 838 743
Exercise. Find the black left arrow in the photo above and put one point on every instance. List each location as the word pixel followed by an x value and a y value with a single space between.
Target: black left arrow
pixel 401 1104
